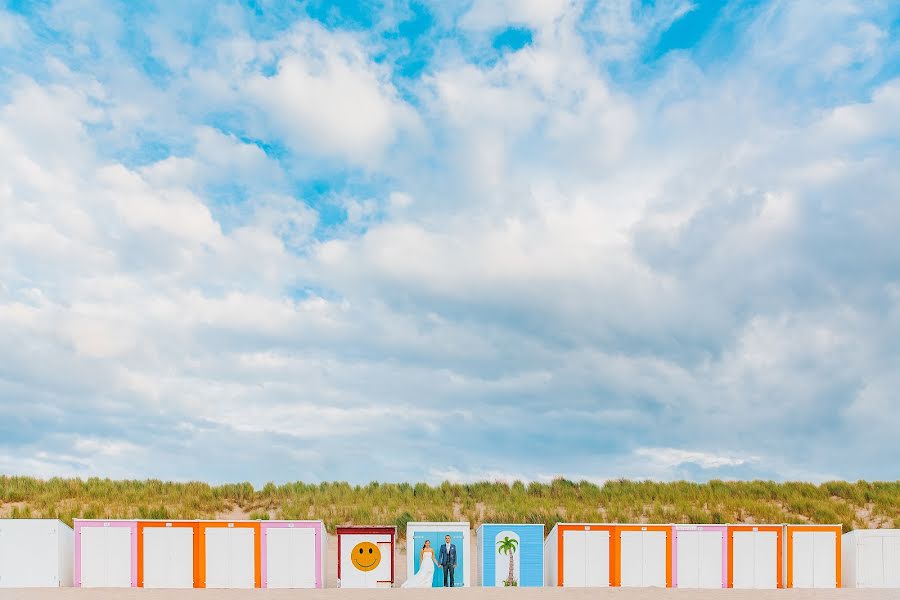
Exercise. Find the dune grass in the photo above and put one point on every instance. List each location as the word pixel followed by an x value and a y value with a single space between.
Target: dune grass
pixel 853 505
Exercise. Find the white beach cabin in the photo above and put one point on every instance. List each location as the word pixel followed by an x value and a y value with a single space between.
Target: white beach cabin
pixel 755 556
pixel 293 554
pixel 813 556
pixel 166 554
pixel 35 553
pixel 105 553
pixel 871 558
pixel 229 554
pixel 700 556
pixel 579 555
pixel 365 556
pixel 644 555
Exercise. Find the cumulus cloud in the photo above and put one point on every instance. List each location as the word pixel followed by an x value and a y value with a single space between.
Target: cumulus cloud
pixel 671 457
pixel 331 97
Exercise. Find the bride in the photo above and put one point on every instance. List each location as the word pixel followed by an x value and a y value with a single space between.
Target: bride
pixel 425 574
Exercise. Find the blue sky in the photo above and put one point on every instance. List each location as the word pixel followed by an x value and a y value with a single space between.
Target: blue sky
pixel 466 239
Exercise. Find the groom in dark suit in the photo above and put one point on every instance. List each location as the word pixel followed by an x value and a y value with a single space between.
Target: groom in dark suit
pixel 447 559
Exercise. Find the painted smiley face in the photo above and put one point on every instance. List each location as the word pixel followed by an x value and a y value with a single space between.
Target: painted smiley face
pixel 365 556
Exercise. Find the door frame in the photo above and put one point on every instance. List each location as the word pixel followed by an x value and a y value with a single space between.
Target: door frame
pixel 316 526
pixel 667 529
pixel 835 529
pixel 779 537
pixel 141 525
pixel 560 548
pixel 723 529
pixel 80 524
pixel 200 560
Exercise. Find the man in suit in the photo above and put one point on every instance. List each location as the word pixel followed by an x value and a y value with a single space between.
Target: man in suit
pixel 447 559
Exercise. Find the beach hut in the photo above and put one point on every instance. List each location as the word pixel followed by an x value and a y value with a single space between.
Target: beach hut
pixel 435 532
pixel 755 556
pixel 700 556
pixel 228 554
pixel 579 555
pixel 510 555
pixel 105 553
pixel 643 555
pixel 365 557
pixel 167 554
pixel 293 554
pixel 35 553
pixel 870 558
pixel 813 556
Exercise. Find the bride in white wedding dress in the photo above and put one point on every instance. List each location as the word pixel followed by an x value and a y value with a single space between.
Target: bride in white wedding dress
pixel 425 574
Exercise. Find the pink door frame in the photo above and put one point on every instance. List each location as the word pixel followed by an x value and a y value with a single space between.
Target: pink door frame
pixel 319 528
pixel 721 528
pixel 78 525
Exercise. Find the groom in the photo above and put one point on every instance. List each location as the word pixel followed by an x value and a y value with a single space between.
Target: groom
pixel 447 559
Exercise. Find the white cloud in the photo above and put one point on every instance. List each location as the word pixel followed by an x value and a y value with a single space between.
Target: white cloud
pixel 12 29
pixel 625 26
pixel 487 14
pixel 674 457
pixel 329 97
pixel 863 121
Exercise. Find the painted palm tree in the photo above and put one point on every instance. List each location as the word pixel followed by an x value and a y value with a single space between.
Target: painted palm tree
pixel 509 546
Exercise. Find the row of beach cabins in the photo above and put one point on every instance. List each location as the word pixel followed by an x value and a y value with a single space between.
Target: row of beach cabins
pixel 293 554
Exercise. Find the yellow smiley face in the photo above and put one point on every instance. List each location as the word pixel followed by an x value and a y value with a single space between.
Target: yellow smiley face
pixel 365 556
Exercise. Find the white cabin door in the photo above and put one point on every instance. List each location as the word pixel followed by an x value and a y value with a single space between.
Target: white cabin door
pixel 168 557
pixel 803 559
pixel 870 565
pixel 824 559
pixel 643 559
pixel 743 559
pixel 709 567
pixel 596 555
pixel 230 557
pixel 574 559
pixel 290 557
pixel 631 557
pixel 351 577
pixel 814 559
pixel 654 550
pixel 891 562
pixel 106 557
pixel 755 559
pixel 688 559
pixel 279 561
pixel 381 575
pixel 767 565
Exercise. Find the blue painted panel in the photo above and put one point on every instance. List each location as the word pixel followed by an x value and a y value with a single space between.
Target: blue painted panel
pixel 528 560
pixel 437 540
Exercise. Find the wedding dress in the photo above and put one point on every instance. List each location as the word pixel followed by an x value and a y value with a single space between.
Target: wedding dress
pixel 425 574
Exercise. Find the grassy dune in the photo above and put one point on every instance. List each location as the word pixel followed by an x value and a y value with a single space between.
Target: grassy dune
pixel 855 505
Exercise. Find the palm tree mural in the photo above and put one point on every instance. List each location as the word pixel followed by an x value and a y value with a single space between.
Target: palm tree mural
pixel 509 546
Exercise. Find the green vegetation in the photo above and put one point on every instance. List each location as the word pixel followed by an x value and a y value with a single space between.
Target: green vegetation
pixel 854 505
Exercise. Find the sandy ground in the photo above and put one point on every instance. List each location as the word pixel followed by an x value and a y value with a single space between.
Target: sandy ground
pixel 439 594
